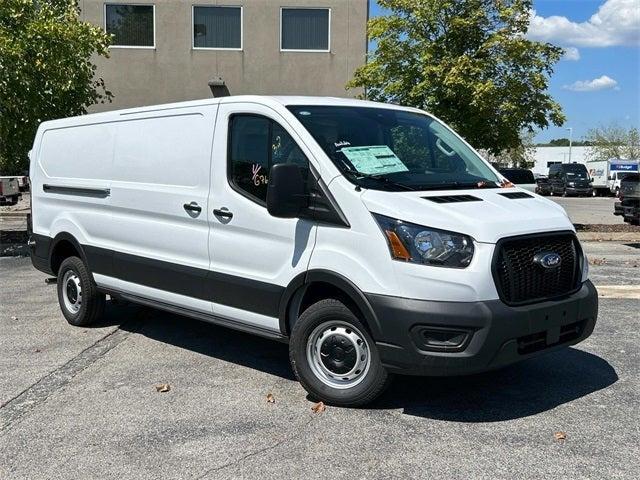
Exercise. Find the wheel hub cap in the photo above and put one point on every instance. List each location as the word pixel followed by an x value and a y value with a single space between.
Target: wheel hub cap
pixel 72 292
pixel 338 354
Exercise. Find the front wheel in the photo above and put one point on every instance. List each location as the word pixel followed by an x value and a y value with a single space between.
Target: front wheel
pixel 334 357
pixel 79 299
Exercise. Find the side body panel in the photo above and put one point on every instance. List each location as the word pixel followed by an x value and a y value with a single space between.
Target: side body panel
pixel 162 164
pixel 71 170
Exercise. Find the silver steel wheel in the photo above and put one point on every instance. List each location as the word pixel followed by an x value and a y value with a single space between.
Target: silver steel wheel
pixel 338 354
pixel 71 291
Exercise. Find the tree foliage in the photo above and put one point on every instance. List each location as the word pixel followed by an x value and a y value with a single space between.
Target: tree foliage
pixel 614 141
pixel 466 61
pixel 521 156
pixel 564 142
pixel 46 71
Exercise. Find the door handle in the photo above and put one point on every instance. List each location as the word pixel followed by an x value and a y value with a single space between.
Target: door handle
pixel 222 212
pixel 192 207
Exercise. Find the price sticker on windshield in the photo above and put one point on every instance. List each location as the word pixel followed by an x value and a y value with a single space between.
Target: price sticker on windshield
pixel 374 159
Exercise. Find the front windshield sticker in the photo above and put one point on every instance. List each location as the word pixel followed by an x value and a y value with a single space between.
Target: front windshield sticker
pixel 374 159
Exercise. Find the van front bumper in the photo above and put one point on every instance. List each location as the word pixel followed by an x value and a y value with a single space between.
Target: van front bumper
pixel 419 337
pixel 579 191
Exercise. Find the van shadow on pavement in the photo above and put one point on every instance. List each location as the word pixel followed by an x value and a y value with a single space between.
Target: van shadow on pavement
pixel 527 388
pixel 520 390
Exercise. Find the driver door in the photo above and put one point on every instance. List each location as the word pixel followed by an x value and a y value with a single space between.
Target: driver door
pixel 254 256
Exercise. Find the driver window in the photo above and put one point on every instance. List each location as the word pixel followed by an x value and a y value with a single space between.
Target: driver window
pixel 257 143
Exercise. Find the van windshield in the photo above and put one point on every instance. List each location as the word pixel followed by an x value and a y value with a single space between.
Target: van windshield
pixel 395 150
pixel 577 174
pixel 519 177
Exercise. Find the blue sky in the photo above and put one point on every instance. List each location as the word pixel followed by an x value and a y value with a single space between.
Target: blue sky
pixel 599 81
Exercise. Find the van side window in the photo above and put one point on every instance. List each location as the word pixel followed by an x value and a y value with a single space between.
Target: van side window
pixel 257 143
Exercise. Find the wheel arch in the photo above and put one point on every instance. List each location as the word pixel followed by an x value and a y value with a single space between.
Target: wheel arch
pixel 64 245
pixel 314 285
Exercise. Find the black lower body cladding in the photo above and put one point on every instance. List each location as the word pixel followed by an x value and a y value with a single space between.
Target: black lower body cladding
pixel 419 337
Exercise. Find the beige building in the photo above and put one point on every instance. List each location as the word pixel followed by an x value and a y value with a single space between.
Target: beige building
pixel 168 50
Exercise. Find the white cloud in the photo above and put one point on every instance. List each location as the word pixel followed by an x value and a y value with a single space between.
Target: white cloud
pixel 571 53
pixel 602 83
pixel 617 22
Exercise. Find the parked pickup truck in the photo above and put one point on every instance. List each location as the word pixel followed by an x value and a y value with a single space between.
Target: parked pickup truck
pixel 9 191
pixel 629 205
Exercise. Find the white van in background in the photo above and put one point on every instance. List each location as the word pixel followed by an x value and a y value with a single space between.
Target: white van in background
pixel 370 237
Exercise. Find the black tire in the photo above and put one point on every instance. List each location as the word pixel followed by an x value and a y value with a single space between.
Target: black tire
pixel 91 305
pixel 374 380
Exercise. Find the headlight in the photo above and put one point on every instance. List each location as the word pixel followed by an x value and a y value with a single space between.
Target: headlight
pixel 571 184
pixel 417 244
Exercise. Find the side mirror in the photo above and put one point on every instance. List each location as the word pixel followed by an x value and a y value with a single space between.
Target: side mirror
pixel 285 191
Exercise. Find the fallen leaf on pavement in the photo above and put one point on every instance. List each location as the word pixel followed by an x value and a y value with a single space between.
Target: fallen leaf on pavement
pixel 319 407
pixel 560 436
pixel 271 398
pixel 163 387
pixel 13 317
pixel 37 350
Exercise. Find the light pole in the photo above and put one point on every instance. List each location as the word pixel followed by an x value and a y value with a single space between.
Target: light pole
pixel 570 141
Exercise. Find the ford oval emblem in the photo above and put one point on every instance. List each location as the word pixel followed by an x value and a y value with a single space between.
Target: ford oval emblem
pixel 547 259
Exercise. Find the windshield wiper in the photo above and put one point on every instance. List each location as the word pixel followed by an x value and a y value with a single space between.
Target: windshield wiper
pixel 459 185
pixel 379 177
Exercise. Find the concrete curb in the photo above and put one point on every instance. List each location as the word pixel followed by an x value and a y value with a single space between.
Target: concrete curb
pixel 13 214
pixel 609 236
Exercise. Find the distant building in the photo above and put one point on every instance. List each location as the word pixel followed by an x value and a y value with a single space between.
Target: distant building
pixel 546 156
pixel 168 50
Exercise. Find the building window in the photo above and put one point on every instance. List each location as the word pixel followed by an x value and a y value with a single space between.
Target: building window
pixel 305 29
pixel 130 25
pixel 257 143
pixel 217 27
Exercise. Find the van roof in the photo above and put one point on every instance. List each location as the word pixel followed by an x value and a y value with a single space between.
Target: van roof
pixel 285 100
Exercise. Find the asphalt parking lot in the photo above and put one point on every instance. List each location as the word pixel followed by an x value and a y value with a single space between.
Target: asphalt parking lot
pixel 82 402
pixel 590 210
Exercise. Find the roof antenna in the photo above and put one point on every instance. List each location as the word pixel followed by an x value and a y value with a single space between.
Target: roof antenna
pixel 218 88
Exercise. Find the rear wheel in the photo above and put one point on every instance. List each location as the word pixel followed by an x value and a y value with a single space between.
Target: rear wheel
pixel 334 357
pixel 79 299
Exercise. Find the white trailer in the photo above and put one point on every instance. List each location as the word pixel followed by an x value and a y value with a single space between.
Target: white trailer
pixel 606 174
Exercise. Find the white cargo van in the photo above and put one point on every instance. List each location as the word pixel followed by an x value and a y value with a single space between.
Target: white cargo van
pixel 370 237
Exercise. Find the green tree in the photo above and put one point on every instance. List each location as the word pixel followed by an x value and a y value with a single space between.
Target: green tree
pixel 46 71
pixel 466 61
pixel 521 156
pixel 614 141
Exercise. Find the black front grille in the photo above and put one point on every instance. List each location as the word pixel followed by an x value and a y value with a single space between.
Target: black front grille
pixel 520 280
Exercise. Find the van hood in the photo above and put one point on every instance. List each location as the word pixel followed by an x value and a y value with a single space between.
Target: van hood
pixel 487 216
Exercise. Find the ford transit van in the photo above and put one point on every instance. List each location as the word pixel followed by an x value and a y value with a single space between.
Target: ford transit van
pixel 570 179
pixel 370 237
